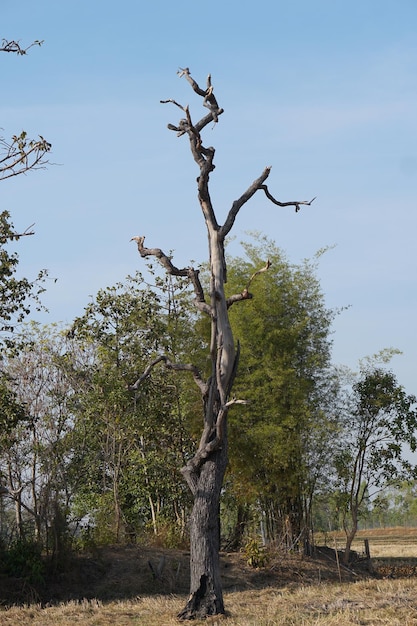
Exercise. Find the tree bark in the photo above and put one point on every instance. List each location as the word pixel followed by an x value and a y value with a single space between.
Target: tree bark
pixel 350 536
pixel 206 596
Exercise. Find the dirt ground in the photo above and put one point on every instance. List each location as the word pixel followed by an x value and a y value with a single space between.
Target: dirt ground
pixel 126 572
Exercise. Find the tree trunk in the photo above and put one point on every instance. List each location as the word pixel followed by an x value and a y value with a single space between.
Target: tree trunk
pixel 348 546
pixel 350 534
pixel 236 538
pixel 206 596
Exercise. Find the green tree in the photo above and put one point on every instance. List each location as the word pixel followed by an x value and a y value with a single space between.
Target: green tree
pixel 280 442
pixel 380 420
pixel 129 446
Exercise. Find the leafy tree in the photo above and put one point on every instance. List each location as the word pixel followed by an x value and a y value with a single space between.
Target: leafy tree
pixel 396 505
pixel 204 472
pixel 129 447
pixel 280 442
pixel 380 420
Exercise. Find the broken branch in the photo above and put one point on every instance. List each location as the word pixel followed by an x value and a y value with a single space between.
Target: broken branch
pixel 296 204
pixel 257 185
pixel 185 367
pixel 188 272
pixel 245 294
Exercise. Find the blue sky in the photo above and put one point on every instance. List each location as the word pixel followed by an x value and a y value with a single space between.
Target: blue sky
pixel 324 91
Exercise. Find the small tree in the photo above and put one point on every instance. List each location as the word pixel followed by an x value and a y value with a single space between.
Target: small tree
pixel 381 420
pixel 204 472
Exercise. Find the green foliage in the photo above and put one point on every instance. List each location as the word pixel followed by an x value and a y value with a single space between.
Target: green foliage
pixel 12 411
pixel 17 295
pixel 380 419
pixel 129 445
pixel 396 505
pixel 23 559
pixel 77 440
pixel 278 443
pixel 256 554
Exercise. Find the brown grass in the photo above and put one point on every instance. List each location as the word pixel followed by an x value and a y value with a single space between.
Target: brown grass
pixel 387 602
pixel 117 586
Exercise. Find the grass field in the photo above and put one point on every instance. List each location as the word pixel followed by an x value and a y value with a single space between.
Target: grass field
pixel 300 592
pixel 386 602
pixel 389 542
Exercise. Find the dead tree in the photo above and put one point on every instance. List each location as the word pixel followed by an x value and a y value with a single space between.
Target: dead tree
pixel 205 471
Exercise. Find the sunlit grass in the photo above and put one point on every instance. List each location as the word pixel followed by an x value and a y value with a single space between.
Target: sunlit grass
pixel 383 542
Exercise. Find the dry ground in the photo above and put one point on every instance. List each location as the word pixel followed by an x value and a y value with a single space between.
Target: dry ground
pixel 147 587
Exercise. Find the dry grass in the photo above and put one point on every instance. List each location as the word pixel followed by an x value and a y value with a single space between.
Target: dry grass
pixel 384 542
pixel 389 542
pixel 387 602
pixel 291 592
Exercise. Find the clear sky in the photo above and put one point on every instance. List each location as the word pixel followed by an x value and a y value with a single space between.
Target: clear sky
pixel 325 91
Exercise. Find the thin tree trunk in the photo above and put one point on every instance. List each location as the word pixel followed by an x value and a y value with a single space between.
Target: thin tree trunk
pixel 236 539
pixel 350 535
pixel 19 517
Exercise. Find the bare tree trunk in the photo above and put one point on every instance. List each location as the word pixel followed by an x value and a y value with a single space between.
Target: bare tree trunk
pixel 205 471
pixel 206 596
pixel 19 516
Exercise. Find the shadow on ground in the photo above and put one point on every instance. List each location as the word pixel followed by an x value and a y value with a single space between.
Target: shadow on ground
pixel 126 572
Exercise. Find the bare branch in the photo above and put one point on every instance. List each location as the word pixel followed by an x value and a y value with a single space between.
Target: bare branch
pixel 22 155
pixel 172 102
pixel 261 271
pixel 237 204
pixel 26 233
pixel 209 101
pixel 207 94
pixel 257 185
pixel 245 294
pixel 235 401
pixel 163 258
pixel 14 46
pixel 185 367
pixel 202 156
pixel 188 272
pixel 296 204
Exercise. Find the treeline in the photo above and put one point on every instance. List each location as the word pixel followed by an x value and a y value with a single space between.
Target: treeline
pixel 85 460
